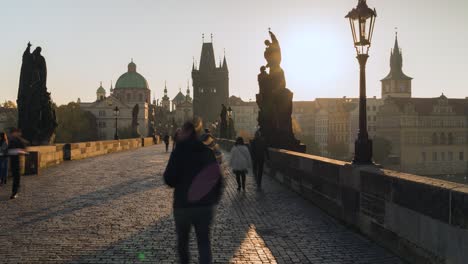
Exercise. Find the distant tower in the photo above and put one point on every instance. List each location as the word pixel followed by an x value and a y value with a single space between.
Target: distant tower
pixel 188 98
pixel 166 102
pixel 101 93
pixel 396 84
pixel 210 85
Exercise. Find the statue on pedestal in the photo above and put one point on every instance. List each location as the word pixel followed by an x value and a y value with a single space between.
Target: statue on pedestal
pixel 36 115
pixel 275 101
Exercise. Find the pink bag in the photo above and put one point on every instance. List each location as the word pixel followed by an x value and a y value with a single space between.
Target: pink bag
pixel 204 182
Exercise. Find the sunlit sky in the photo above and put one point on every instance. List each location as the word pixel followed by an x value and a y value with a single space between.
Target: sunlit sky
pixel 88 41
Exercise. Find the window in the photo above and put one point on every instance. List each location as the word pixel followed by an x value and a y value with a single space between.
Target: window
pixel 102 112
pixel 375 118
pixel 434 156
pixel 442 138
pixel 461 156
pixel 402 88
pixel 435 140
pixel 374 108
pixel 442 156
pixel 450 138
pixel 450 155
pixel 423 156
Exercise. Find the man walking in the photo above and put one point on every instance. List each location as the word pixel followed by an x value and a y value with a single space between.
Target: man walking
pixel 195 175
pixel 259 150
pixel 16 148
pixel 166 141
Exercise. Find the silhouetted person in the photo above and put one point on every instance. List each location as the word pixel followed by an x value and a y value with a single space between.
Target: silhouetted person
pixel 3 158
pixel 175 138
pixel 240 162
pixel 166 141
pixel 259 150
pixel 195 175
pixel 16 148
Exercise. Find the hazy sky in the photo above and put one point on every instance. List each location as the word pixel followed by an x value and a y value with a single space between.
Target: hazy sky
pixel 88 41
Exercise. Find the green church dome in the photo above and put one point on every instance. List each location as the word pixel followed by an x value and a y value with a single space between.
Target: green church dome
pixel 131 79
pixel 101 89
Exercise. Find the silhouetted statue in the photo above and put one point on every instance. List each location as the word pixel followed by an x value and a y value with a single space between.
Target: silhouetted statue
pixel 135 111
pixel 272 52
pixel 275 101
pixel 36 115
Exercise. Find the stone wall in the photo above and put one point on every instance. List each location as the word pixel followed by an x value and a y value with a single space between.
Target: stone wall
pixel 423 220
pixel 55 154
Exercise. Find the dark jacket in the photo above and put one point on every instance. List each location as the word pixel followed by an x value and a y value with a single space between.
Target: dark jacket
pixel 166 139
pixel 186 162
pixel 259 149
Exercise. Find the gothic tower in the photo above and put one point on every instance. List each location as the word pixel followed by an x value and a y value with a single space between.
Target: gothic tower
pixel 210 85
pixel 396 84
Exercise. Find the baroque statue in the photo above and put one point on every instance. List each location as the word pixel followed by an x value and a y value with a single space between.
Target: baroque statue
pixel 36 114
pixel 275 101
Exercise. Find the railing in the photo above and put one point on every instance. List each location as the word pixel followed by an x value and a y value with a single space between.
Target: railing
pixel 45 156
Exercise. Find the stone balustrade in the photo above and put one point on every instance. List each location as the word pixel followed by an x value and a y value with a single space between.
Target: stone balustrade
pixel 46 156
pixel 423 220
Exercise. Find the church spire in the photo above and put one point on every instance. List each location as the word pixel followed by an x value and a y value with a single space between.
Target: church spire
pixel 225 67
pixel 396 63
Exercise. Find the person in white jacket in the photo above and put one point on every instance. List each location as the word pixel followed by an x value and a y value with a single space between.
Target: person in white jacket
pixel 240 162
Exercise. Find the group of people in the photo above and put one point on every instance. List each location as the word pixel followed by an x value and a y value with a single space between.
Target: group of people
pixel 10 150
pixel 195 172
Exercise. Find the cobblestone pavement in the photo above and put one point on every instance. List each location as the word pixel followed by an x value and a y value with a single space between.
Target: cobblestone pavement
pixel 116 209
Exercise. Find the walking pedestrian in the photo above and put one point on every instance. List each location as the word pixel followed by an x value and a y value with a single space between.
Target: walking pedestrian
pixel 16 148
pixel 240 162
pixel 195 175
pixel 175 138
pixel 3 158
pixel 166 141
pixel 259 150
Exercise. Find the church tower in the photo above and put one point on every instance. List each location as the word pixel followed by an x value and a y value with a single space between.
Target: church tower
pixel 210 85
pixel 166 102
pixel 396 84
pixel 100 93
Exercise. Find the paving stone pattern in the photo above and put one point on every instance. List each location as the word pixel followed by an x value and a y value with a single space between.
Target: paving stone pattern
pixel 116 209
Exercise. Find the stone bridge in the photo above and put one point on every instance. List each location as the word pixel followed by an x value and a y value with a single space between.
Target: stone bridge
pixel 116 209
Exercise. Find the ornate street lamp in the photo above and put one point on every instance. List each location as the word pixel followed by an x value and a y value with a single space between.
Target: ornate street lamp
pixel 230 124
pixel 116 114
pixel 362 20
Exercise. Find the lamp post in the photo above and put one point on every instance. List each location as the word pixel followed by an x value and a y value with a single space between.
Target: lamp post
pixel 116 114
pixel 229 123
pixel 362 21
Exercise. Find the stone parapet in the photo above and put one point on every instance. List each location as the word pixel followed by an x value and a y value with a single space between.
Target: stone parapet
pixel 55 154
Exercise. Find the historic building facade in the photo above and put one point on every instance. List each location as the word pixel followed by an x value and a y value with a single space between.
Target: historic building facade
pixel 130 89
pixel 428 135
pixel 210 85
pixel 245 116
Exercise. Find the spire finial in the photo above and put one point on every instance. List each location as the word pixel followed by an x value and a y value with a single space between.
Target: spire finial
pixel 203 37
pixel 211 37
pixel 111 84
pixel 132 59
pixel 101 84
